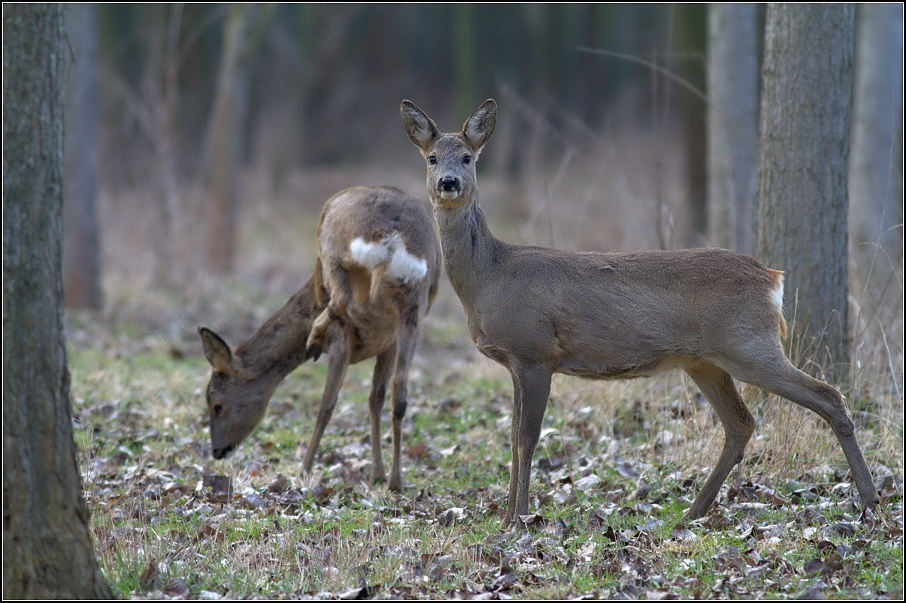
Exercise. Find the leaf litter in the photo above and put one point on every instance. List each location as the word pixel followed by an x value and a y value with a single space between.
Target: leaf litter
pixel 604 522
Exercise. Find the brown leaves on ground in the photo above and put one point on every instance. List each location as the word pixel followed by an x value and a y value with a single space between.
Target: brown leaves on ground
pixel 604 518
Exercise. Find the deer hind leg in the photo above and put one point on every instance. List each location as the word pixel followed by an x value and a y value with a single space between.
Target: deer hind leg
pixel 407 337
pixel 717 386
pixel 531 388
pixel 379 380
pixel 776 375
pixel 338 361
pixel 338 285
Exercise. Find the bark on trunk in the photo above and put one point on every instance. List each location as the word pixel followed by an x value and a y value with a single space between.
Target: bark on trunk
pixel 802 171
pixel 47 548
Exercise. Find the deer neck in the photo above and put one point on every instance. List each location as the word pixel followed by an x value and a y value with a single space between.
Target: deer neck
pixel 469 248
pixel 278 347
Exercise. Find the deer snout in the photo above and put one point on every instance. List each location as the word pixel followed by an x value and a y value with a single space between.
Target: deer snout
pixel 219 453
pixel 448 185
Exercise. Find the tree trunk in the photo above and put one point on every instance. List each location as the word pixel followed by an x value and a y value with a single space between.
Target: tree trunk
pixel 875 208
pixel 732 124
pixel 464 66
pixel 802 171
pixel 224 156
pixel 692 38
pixel 81 240
pixel 47 549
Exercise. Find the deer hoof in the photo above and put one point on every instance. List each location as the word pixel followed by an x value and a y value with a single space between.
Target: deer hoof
pixel 312 352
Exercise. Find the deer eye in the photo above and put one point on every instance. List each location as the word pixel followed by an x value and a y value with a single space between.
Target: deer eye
pixel 432 160
pixel 467 159
pixel 218 409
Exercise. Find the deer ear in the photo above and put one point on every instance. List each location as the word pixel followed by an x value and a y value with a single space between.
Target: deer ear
pixel 479 128
pixel 421 129
pixel 216 351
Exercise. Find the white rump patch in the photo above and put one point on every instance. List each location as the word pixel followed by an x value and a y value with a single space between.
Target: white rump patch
pixel 402 265
pixel 777 295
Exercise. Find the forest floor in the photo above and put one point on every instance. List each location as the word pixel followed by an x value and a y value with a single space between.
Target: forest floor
pixel 617 464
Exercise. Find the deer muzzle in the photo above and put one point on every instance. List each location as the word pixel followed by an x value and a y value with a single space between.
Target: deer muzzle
pixel 219 453
pixel 449 187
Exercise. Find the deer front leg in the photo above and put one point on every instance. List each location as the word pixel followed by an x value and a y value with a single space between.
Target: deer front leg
pixel 338 360
pixel 405 348
pixel 379 380
pixel 514 462
pixel 531 386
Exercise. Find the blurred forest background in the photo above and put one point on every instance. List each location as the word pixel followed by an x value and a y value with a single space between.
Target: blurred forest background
pixel 202 139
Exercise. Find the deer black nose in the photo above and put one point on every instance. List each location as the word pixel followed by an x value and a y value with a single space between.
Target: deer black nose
pixel 449 183
pixel 219 453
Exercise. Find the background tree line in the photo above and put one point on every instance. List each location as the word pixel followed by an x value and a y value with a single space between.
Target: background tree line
pixel 189 97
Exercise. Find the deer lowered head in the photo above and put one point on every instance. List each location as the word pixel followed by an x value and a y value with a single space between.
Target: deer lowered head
pixel 242 382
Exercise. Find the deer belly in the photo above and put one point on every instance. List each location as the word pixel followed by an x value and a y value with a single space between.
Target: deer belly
pixel 620 369
pixel 370 331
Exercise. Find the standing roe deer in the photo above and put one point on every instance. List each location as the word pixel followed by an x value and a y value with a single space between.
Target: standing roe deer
pixel 375 278
pixel 712 312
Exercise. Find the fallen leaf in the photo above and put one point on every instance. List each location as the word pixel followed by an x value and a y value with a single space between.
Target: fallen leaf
pixel 449 404
pixel 504 582
pixel 642 490
pixel 841 528
pixel 176 588
pixel 217 488
pixel 532 519
pixel 280 484
pixel 209 595
pixel 588 482
pixel 356 594
pixel 252 500
pixel 557 529
pixel 451 515
pixel 419 452
pixel 150 578
pixel 681 532
pixel 651 524
pixel 813 566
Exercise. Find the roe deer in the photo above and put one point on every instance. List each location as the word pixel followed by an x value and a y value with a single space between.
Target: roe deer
pixel 375 278
pixel 712 312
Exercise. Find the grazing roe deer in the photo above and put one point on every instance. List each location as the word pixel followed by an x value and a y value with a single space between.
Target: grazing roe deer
pixel 375 278
pixel 538 311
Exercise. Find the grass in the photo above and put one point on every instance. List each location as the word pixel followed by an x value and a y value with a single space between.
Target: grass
pixel 617 464
pixel 143 452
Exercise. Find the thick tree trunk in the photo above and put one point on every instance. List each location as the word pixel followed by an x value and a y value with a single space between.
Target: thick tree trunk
pixel 876 213
pixel 732 124
pixel 81 240
pixel 802 170
pixel 47 550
